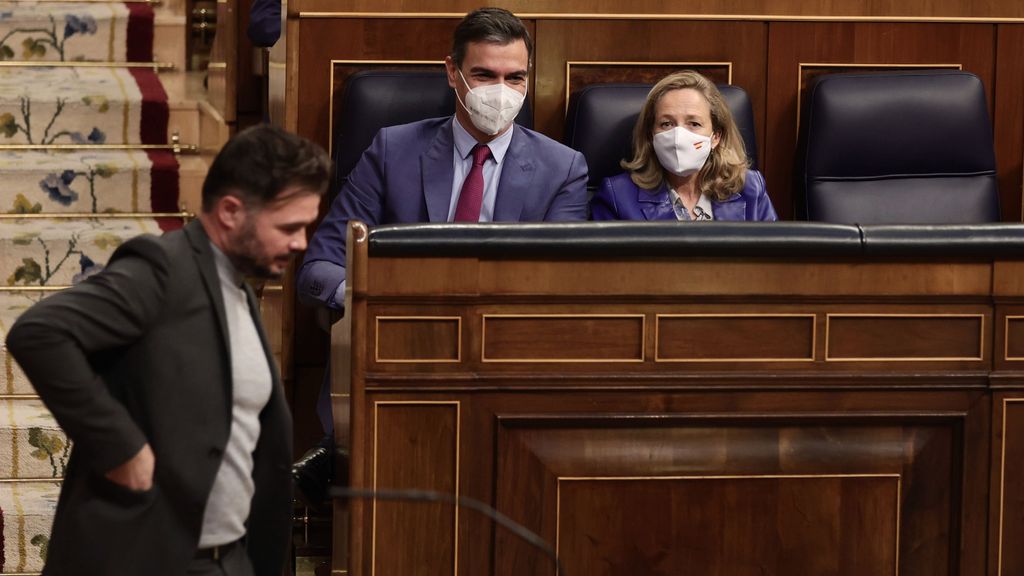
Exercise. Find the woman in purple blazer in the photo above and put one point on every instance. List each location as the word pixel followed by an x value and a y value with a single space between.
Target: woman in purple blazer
pixel 689 162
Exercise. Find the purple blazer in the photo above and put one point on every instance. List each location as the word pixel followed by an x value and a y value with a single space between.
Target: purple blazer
pixel 405 176
pixel 619 198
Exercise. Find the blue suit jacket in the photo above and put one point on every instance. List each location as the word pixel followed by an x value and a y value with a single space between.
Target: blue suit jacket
pixel 619 198
pixel 406 175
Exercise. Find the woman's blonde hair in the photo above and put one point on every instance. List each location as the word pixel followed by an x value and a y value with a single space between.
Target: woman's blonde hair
pixel 723 173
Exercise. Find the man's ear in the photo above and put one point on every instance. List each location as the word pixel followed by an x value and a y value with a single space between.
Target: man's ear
pixel 229 212
pixel 452 70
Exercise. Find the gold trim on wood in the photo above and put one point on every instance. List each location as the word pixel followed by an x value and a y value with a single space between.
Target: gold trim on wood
pixel 814 337
pixel 800 76
pixel 483 340
pixel 1006 338
pixel 376 339
pixel 898 477
pixel 1002 485
pixel 981 338
pixel 569 64
pixel 330 87
pixel 313 14
pixel 29 480
pixel 455 506
pixel 33 288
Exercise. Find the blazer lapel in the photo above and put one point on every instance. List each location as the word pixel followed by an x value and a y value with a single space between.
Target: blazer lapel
pixel 733 208
pixel 203 254
pixel 515 182
pixel 436 171
pixel 657 205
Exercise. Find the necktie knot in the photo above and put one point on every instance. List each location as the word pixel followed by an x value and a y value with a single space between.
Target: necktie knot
pixel 480 154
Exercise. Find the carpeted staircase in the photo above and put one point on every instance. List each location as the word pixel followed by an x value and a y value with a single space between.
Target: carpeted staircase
pixel 85 164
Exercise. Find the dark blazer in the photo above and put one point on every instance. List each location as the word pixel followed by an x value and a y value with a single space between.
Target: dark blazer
pixel 406 176
pixel 619 198
pixel 135 354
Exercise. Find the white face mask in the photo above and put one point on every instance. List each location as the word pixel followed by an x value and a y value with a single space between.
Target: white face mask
pixel 680 151
pixel 492 107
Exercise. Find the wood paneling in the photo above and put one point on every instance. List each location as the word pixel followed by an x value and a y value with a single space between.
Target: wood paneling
pixel 792 44
pixel 563 338
pixel 798 8
pixel 895 338
pixel 417 448
pixel 697 337
pixel 418 339
pixel 660 494
pixel 560 41
pixel 1008 116
pixel 1010 479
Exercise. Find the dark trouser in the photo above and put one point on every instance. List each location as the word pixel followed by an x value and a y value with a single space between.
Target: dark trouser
pixel 230 560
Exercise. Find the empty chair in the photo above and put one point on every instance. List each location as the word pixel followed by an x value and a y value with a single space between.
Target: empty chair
pixel 375 99
pixel 601 117
pixel 898 148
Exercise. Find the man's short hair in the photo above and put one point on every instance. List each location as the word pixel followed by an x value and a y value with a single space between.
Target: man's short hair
pixel 494 25
pixel 262 161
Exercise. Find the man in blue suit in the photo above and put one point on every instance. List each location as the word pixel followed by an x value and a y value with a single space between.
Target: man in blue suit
pixel 475 167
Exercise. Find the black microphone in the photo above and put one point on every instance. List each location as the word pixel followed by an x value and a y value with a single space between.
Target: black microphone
pixel 511 525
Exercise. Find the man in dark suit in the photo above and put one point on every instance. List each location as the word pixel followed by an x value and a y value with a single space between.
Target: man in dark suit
pixel 158 370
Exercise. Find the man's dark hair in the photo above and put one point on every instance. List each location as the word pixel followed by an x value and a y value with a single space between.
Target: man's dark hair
pixel 262 161
pixel 494 25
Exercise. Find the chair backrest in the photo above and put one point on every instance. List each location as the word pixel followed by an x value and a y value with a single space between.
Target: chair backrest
pixel 375 99
pixel 898 148
pixel 601 117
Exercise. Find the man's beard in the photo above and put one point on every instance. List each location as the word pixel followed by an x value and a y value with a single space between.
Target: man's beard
pixel 247 254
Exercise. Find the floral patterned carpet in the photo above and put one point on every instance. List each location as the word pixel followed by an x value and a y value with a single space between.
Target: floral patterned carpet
pixel 63 211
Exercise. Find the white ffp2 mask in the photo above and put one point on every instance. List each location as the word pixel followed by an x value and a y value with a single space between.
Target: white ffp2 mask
pixel 492 107
pixel 680 151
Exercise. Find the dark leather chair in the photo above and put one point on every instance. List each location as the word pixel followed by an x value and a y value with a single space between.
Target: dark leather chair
pixel 601 117
pixel 375 99
pixel 898 148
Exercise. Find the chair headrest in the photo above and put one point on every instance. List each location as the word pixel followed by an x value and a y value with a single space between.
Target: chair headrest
pixel 898 124
pixel 375 99
pixel 601 118
pixel 900 148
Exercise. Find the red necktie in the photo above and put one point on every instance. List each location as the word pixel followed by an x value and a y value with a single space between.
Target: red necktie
pixel 472 194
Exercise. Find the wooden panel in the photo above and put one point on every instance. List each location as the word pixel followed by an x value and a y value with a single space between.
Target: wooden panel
pixel 1009 553
pixel 563 338
pixel 1014 338
pixel 801 8
pixel 730 524
pixel 694 338
pixel 739 44
pixel 419 339
pixel 791 44
pixel 415 447
pixel 324 40
pixel 579 75
pixel 1009 119
pixel 660 495
pixel 897 338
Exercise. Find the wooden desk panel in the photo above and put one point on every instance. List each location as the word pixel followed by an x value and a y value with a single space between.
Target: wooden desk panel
pixel 858 427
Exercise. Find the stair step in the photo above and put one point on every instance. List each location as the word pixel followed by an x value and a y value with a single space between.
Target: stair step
pixel 59 252
pixel 82 105
pixel 89 181
pixel 33 445
pixel 69 31
pixel 169 38
pixel 26 514
pixel 13 381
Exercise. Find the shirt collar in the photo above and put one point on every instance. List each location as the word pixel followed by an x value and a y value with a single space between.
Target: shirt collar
pixel 464 142
pixel 225 269
pixel 704 203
